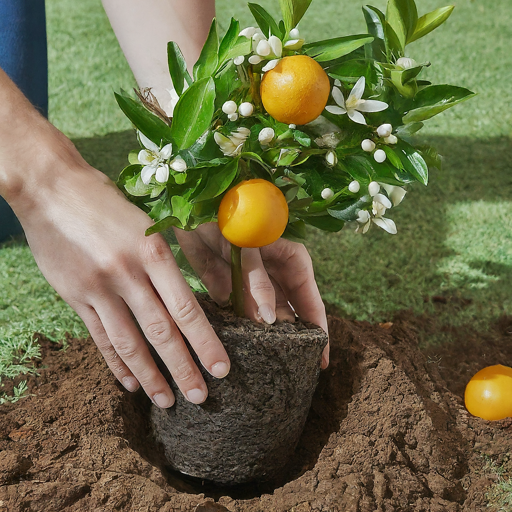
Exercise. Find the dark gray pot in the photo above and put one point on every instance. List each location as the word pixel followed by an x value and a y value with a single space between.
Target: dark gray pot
pixel 252 420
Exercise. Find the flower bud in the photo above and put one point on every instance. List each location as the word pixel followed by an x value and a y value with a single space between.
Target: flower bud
pixel 384 130
pixel 178 164
pixel 368 145
pixel 237 61
pixel 266 135
pixel 391 139
pixel 294 33
pixel 229 107
pixel 271 64
pixel 406 63
pixel 263 49
pixel 327 193
pixel 292 126
pixel 331 158
pixel 248 32
pixel 246 109
pixel 233 117
pixel 379 156
pixel 363 216
pixel 354 186
pixel 276 45
pixel 255 59
pixel 373 188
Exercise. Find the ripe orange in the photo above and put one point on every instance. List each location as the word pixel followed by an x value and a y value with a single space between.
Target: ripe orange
pixel 489 393
pixel 296 90
pixel 254 213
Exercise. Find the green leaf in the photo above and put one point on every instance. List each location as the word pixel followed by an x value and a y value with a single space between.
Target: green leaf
pixel 430 21
pixel 393 44
pixel 433 100
pixel 351 70
pixel 393 158
pixel 229 40
pixel 325 223
pixel 243 46
pixel 375 21
pixel 149 124
pixel 295 231
pixel 133 157
pixel 136 187
pixel 265 21
pixel 331 49
pixel 287 156
pixel 193 113
pixel 402 17
pixel 302 138
pixel 218 181
pixel 293 11
pixel 412 161
pixel 177 67
pixel 208 61
pixel 163 225
pixel 181 209
pixel 347 211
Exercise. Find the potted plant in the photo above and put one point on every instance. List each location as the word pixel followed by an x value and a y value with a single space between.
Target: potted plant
pixel 270 134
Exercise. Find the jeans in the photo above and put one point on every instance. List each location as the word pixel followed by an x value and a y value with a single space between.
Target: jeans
pixel 23 56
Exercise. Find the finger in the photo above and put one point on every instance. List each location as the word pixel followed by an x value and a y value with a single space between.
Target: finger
pixel 162 333
pixel 284 311
pixel 259 294
pixel 211 268
pixel 132 349
pixel 114 362
pixel 184 308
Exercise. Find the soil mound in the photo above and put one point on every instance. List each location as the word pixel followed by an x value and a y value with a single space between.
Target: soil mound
pixel 384 434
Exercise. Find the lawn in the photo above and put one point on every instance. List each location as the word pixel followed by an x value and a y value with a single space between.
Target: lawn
pixel 454 238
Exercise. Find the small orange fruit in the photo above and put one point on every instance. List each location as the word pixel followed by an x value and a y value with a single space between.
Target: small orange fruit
pixel 489 393
pixel 296 90
pixel 254 213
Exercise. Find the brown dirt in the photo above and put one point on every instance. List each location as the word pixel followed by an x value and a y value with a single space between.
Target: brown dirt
pixel 387 432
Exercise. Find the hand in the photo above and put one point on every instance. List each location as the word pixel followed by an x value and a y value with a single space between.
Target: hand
pixel 89 243
pixel 277 277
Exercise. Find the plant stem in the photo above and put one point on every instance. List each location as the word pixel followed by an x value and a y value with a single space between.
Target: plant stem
pixel 237 294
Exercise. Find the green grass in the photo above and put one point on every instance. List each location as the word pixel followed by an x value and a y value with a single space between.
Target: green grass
pixel 454 238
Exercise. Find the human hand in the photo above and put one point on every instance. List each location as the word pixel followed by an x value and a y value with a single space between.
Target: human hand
pixel 277 277
pixel 89 243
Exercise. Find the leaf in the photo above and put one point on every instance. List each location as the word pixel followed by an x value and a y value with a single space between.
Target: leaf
pixel 351 70
pixel 430 21
pixel 295 231
pixel 375 21
pixel 218 181
pixel 431 156
pixel 347 212
pixel 177 67
pixel 193 113
pixel 136 187
pixel 133 157
pixel 393 158
pixel 331 49
pixel 293 11
pixel 358 167
pixel 243 46
pixel 229 40
pixel 208 60
pixel 433 100
pixel 181 209
pixel 287 156
pixel 402 17
pixel 412 161
pixel 149 124
pixel 265 21
pixel 302 138
pixel 163 225
pixel 325 223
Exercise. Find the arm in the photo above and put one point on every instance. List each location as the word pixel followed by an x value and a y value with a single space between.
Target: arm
pixel 89 243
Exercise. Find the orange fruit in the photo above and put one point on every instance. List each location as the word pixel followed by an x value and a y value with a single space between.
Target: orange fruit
pixel 296 90
pixel 254 213
pixel 489 393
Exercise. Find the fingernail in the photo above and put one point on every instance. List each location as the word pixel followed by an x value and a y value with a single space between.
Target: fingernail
pixel 196 396
pixel 267 313
pixel 163 401
pixel 130 383
pixel 220 370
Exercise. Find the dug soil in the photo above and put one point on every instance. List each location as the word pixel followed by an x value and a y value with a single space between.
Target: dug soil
pixel 387 431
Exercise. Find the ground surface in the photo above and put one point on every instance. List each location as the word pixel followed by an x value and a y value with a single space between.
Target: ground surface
pixel 387 432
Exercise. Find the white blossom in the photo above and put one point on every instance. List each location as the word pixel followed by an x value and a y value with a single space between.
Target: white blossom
pixel 354 104
pixel 248 32
pixel 178 164
pixel 373 188
pixel 379 206
pixel 292 126
pixel 396 194
pixel 354 186
pixel 368 145
pixel 232 144
pixel 327 193
pixel 271 64
pixel 295 42
pixel 294 33
pixel 406 63
pixel 255 59
pixel 154 160
pixel 229 107
pixel 331 158
pixel 233 117
pixel 263 48
pixel 384 130
pixel 391 139
pixel 237 61
pixel 379 156
pixel 246 109
pixel 266 135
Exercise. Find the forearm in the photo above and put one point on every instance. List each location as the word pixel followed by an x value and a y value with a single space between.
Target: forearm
pixel 144 27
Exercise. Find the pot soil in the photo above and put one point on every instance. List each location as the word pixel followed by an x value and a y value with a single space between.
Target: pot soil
pixel 387 432
pixel 250 424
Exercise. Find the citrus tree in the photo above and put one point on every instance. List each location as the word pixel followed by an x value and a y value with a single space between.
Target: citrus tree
pixel 271 133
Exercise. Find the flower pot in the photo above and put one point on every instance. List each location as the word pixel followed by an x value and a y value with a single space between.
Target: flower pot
pixel 248 427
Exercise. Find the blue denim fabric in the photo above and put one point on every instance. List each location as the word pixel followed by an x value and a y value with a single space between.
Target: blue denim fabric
pixel 23 56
